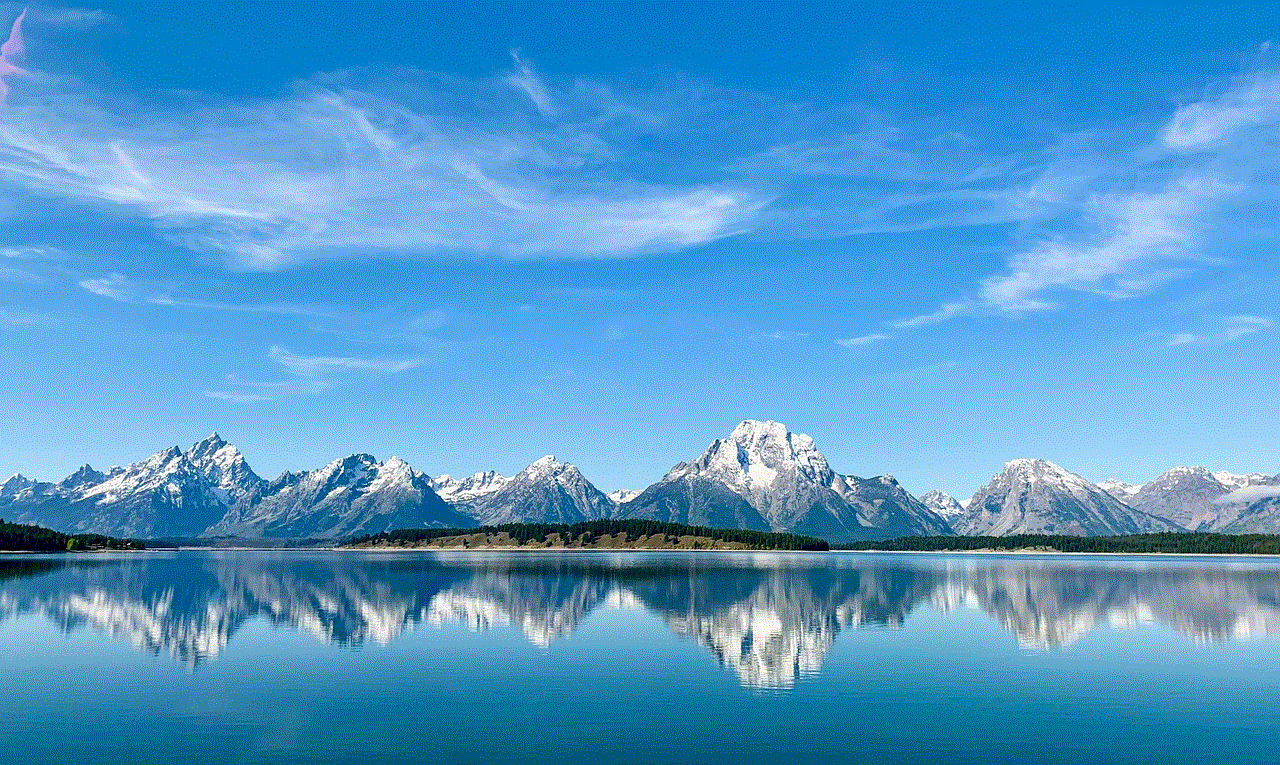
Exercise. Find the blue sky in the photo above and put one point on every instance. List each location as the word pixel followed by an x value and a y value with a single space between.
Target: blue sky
pixel 935 239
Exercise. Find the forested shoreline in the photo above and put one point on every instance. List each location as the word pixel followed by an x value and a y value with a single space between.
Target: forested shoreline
pixel 1187 543
pixel 591 533
pixel 16 537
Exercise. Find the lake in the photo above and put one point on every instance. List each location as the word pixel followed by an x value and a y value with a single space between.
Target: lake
pixel 585 657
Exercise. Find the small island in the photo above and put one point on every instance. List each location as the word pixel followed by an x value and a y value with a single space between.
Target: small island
pixel 589 535
pixel 16 537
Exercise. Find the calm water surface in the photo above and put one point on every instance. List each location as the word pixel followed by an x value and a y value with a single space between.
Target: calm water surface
pixel 283 657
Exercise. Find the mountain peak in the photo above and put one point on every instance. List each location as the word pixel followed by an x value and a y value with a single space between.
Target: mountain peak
pixel 1039 470
pixel 14 484
pixel 85 476
pixel 943 504
pixel 1035 496
pixel 546 466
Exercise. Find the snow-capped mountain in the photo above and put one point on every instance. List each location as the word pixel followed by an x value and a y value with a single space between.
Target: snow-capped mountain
pixel 17 486
pixel 1261 516
pixel 548 491
pixel 1233 481
pixel 765 477
pixel 1184 495
pixel 210 490
pixel 224 466
pixel 943 504
pixel 1035 496
pixel 460 490
pixel 353 495
pixel 165 495
pixel 1197 499
pixel 1119 489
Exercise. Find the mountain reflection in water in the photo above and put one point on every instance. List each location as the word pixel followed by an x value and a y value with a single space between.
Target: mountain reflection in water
pixel 770 618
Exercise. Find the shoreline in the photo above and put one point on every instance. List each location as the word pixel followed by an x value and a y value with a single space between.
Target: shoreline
pixel 508 549
pixel 1023 552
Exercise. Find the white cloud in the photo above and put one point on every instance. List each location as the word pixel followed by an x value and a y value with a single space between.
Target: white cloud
pixel 314 366
pixel 1239 326
pixel 307 375
pixel 1134 232
pixel 124 290
pixel 947 311
pixel 238 398
pixel 351 164
pixel 1248 494
pixel 1227 330
pixel 1134 222
pixel 782 336
pixel 858 342
pixel 113 287
pixel 68 18
pixel 526 80
pixel 30 253
pixel 1251 101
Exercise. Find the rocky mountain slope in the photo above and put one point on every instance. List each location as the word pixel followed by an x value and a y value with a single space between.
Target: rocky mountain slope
pixel 548 491
pixel 172 493
pixel 1037 497
pixel 353 495
pixel 765 477
pixel 943 504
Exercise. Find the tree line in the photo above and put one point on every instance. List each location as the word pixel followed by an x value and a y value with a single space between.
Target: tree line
pixel 590 531
pixel 1169 542
pixel 16 536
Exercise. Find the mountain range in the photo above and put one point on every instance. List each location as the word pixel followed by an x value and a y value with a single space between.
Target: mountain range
pixel 762 476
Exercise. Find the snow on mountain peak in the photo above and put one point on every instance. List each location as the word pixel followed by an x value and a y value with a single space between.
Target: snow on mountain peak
pixel 1119 489
pixel 14 484
pixel 1040 470
pixel 757 453
pixel 943 504
pixel 478 484
pixel 622 496
pixel 1239 481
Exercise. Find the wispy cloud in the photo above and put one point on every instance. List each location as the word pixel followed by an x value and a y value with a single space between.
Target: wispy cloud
pixel 350 164
pixel 121 289
pixel 112 286
pixel 858 342
pixel 780 335
pixel 316 366
pixel 353 163
pixel 30 253
pixel 1228 329
pixel 947 311
pixel 1239 326
pixel 12 51
pixel 1133 224
pixel 1253 100
pixel 307 375
pixel 526 80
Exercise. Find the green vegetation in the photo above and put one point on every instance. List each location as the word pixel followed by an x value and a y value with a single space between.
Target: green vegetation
pixel 592 533
pixel 1188 543
pixel 14 536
